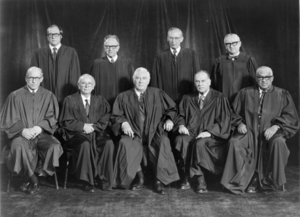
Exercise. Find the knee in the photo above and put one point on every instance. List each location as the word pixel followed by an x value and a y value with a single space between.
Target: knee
pixel 181 139
pixel 18 143
pixel 110 146
pixel 165 141
pixel 278 142
pixel 200 144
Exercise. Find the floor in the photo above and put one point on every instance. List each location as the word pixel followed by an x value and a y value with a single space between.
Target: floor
pixel 73 202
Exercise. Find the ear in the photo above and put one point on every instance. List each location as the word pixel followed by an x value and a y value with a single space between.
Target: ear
pixel 42 79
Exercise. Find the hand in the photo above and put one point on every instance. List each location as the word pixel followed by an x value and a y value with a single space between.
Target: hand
pixel 126 128
pixel 242 128
pixel 88 128
pixel 203 135
pixel 36 130
pixel 28 133
pixel 270 132
pixel 183 130
pixel 168 125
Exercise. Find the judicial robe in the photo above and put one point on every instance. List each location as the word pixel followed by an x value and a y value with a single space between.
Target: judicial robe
pixel 60 75
pixel 112 78
pixel 23 110
pixel 93 153
pixel 158 108
pixel 214 118
pixel 229 75
pixel 250 152
pixel 175 78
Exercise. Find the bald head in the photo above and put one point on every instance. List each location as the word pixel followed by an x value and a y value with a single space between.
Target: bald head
pixel 37 71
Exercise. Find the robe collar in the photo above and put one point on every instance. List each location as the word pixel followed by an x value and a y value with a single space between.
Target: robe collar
pixel 177 50
pixel 57 47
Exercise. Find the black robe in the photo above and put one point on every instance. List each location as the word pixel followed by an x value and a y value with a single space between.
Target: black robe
pixel 22 110
pixel 112 78
pixel 175 79
pixel 251 152
pixel 214 118
pixel 94 151
pixel 60 76
pixel 230 76
pixel 158 108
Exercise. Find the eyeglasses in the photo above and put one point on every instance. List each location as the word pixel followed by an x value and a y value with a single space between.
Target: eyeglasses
pixel 113 47
pixel 174 38
pixel 265 77
pixel 235 43
pixel 33 78
pixel 86 84
pixel 55 35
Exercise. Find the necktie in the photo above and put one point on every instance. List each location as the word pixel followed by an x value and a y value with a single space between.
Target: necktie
pixel 112 60
pixel 201 101
pixel 261 101
pixel 174 55
pixel 54 53
pixel 141 100
pixel 87 107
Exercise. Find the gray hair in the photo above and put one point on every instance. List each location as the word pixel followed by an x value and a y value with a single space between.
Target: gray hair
pixel 264 69
pixel 175 28
pixel 202 71
pixel 84 76
pixel 112 36
pixel 230 35
pixel 139 70
pixel 60 29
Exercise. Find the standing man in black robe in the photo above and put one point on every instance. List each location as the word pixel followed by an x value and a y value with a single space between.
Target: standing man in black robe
pixel 59 63
pixel 204 127
pixel 83 120
pixel 29 118
pixel 175 67
pixel 233 71
pixel 257 152
pixel 113 73
pixel 142 116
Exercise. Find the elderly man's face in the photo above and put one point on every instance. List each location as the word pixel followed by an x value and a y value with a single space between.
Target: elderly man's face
pixel 141 80
pixel 175 38
pixel 264 79
pixel 111 47
pixel 86 85
pixel 202 82
pixel 54 37
pixel 232 44
pixel 34 78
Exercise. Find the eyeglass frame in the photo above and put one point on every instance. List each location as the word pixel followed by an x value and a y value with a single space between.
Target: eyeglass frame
pixel 50 35
pixel 113 47
pixel 267 78
pixel 34 78
pixel 234 44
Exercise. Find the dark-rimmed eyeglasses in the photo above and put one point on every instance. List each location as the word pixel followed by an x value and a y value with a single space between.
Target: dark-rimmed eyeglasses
pixel 33 78
pixel 113 47
pixel 54 35
pixel 260 78
pixel 235 43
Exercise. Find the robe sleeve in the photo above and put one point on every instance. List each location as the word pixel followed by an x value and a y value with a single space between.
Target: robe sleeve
pixel 169 106
pixel 288 119
pixel 180 119
pixel 103 120
pixel 222 124
pixel 10 119
pixel 117 117
pixel 74 68
pixel 196 62
pixel 156 71
pixel 252 66
pixel 214 74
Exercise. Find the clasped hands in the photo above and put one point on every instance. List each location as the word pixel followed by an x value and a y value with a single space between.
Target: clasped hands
pixel 88 128
pixel 126 128
pixel 31 133
pixel 183 130
pixel 268 133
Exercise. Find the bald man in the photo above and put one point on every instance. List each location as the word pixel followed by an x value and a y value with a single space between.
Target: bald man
pixel 174 68
pixel 83 121
pixel 233 71
pixel 29 118
pixel 257 151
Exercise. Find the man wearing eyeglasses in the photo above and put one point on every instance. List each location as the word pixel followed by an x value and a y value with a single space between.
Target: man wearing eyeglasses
pixel 113 73
pixel 83 120
pixel 174 68
pixel 29 118
pixel 257 152
pixel 233 71
pixel 60 65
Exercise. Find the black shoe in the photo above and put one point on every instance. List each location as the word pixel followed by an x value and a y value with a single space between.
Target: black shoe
pixel 253 187
pixel 25 187
pixel 89 188
pixel 159 188
pixel 138 186
pixel 201 187
pixel 185 184
pixel 34 188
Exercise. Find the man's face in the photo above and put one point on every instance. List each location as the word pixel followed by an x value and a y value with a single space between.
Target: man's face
pixel 232 44
pixel 141 81
pixel 86 85
pixel 111 47
pixel 34 78
pixel 53 36
pixel 175 38
pixel 264 79
pixel 202 82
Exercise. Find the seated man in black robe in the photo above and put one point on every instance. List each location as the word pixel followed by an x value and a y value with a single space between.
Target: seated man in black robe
pixel 142 116
pixel 257 152
pixel 83 121
pixel 204 125
pixel 29 118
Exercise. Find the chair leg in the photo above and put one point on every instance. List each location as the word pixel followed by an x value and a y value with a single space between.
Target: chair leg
pixel 8 182
pixel 56 182
pixel 66 173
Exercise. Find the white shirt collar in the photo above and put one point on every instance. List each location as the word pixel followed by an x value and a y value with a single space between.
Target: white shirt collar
pixel 57 47
pixel 204 94
pixel 234 55
pixel 138 93
pixel 112 58
pixel 32 91
pixel 177 50
pixel 84 98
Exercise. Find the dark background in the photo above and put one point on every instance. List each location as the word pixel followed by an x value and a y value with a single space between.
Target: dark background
pixel 269 31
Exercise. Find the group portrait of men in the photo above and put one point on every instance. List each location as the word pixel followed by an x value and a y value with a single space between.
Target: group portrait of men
pixel 177 121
